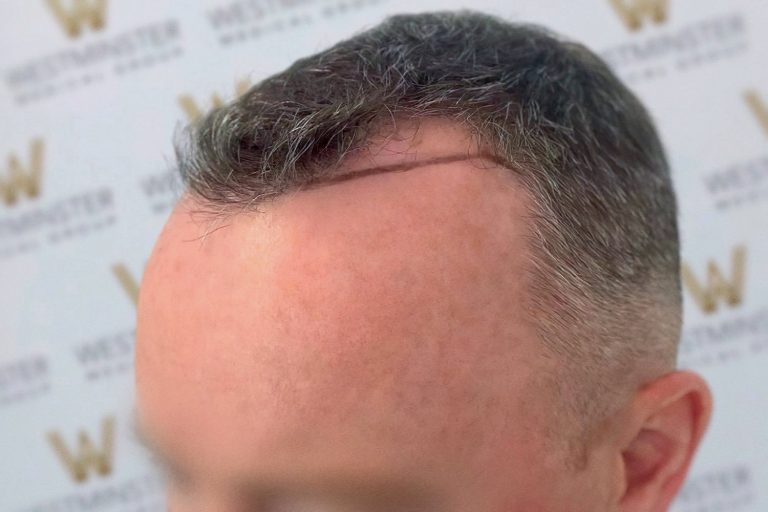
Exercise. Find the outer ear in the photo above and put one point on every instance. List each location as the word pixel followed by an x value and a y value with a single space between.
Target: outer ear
pixel 668 419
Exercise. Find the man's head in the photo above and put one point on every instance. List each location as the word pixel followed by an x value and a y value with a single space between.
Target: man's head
pixel 433 266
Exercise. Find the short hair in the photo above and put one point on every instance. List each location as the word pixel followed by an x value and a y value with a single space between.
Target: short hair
pixel 604 285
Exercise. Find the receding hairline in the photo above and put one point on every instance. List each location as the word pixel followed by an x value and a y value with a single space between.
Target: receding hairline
pixel 584 146
pixel 339 175
pixel 402 167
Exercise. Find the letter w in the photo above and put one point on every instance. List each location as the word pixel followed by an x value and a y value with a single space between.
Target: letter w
pixel 80 12
pixel 88 457
pixel 128 283
pixel 758 107
pixel 633 14
pixel 23 181
pixel 194 112
pixel 718 287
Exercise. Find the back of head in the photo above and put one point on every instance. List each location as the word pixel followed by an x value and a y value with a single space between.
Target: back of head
pixel 603 278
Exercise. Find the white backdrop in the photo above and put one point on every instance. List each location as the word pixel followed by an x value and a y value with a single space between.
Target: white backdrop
pixel 91 91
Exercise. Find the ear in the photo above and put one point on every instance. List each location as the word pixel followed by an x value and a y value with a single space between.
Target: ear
pixel 667 421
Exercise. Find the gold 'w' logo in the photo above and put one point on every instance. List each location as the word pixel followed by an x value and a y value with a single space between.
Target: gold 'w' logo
pixel 22 180
pixel 718 287
pixel 79 13
pixel 758 107
pixel 128 283
pixel 88 458
pixel 634 12
pixel 194 112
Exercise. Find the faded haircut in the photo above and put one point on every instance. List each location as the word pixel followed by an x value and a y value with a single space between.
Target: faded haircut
pixel 603 280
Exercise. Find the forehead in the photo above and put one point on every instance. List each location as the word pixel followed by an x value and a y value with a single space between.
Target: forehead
pixel 384 308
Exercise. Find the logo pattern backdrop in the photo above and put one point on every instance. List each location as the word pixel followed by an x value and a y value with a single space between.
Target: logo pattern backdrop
pixel 91 92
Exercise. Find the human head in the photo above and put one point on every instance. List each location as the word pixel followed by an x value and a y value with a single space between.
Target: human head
pixel 464 231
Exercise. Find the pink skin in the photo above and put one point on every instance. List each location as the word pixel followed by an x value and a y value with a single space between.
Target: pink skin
pixel 362 335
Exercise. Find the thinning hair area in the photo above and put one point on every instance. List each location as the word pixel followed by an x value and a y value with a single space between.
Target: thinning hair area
pixel 603 279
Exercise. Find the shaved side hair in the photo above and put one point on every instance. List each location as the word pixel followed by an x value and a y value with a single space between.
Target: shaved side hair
pixel 602 283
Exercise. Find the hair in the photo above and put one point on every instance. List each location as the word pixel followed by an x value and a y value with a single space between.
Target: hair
pixel 603 283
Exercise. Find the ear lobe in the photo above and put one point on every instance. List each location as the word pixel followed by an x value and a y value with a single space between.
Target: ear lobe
pixel 671 415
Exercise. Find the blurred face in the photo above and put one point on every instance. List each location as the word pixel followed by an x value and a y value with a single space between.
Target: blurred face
pixel 360 346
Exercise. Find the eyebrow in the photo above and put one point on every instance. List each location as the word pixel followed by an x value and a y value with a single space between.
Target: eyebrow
pixel 372 494
pixel 382 494
pixel 402 167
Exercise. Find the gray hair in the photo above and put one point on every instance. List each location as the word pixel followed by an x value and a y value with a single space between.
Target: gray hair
pixel 604 280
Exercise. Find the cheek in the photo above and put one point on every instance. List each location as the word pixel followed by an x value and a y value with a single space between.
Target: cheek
pixel 520 491
pixel 518 469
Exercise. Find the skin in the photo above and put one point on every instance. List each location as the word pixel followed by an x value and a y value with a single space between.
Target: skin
pixel 362 346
